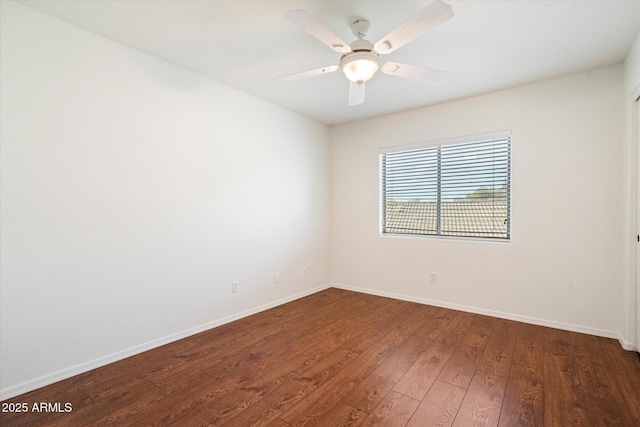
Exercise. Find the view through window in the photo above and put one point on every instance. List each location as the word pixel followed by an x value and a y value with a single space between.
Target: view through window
pixel 452 189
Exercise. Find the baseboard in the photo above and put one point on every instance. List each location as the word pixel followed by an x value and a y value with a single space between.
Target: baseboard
pixel 63 374
pixel 502 315
pixel 627 345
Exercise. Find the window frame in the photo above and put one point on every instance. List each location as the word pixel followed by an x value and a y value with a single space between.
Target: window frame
pixel 468 139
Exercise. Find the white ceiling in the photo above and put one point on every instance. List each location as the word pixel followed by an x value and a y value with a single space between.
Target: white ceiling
pixel 487 46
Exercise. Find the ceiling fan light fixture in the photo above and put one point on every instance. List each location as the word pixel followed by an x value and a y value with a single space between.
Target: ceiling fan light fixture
pixel 360 66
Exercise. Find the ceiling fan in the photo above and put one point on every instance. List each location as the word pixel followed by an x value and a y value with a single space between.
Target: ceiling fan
pixel 361 59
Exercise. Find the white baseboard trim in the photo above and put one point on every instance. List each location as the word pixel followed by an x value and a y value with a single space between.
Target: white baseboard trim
pixel 27 386
pixel 502 315
pixel 627 345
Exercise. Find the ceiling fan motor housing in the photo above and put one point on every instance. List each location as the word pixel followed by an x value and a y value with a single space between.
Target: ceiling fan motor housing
pixel 361 45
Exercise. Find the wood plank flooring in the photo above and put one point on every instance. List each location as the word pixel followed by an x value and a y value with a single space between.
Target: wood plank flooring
pixel 339 358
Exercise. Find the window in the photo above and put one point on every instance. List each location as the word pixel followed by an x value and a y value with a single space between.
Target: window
pixel 456 188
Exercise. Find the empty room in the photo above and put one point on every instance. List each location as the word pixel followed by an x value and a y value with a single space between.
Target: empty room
pixel 319 213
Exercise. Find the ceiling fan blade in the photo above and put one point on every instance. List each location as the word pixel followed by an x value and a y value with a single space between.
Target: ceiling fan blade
pixel 414 72
pixel 306 74
pixel 431 16
pixel 356 93
pixel 317 30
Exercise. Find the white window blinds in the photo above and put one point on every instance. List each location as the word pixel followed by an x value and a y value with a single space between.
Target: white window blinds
pixel 460 189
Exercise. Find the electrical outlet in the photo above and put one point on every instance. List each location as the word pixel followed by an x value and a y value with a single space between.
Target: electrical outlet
pixel 234 287
pixel 276 277
pixel 304 271
pixel 433 277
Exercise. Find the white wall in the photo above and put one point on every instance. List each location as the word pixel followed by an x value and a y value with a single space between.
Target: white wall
pixel 632 67
pixel 133 193
pixel 563 266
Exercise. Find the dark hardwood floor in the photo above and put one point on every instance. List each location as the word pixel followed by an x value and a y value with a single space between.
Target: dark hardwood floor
pixel 339 358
